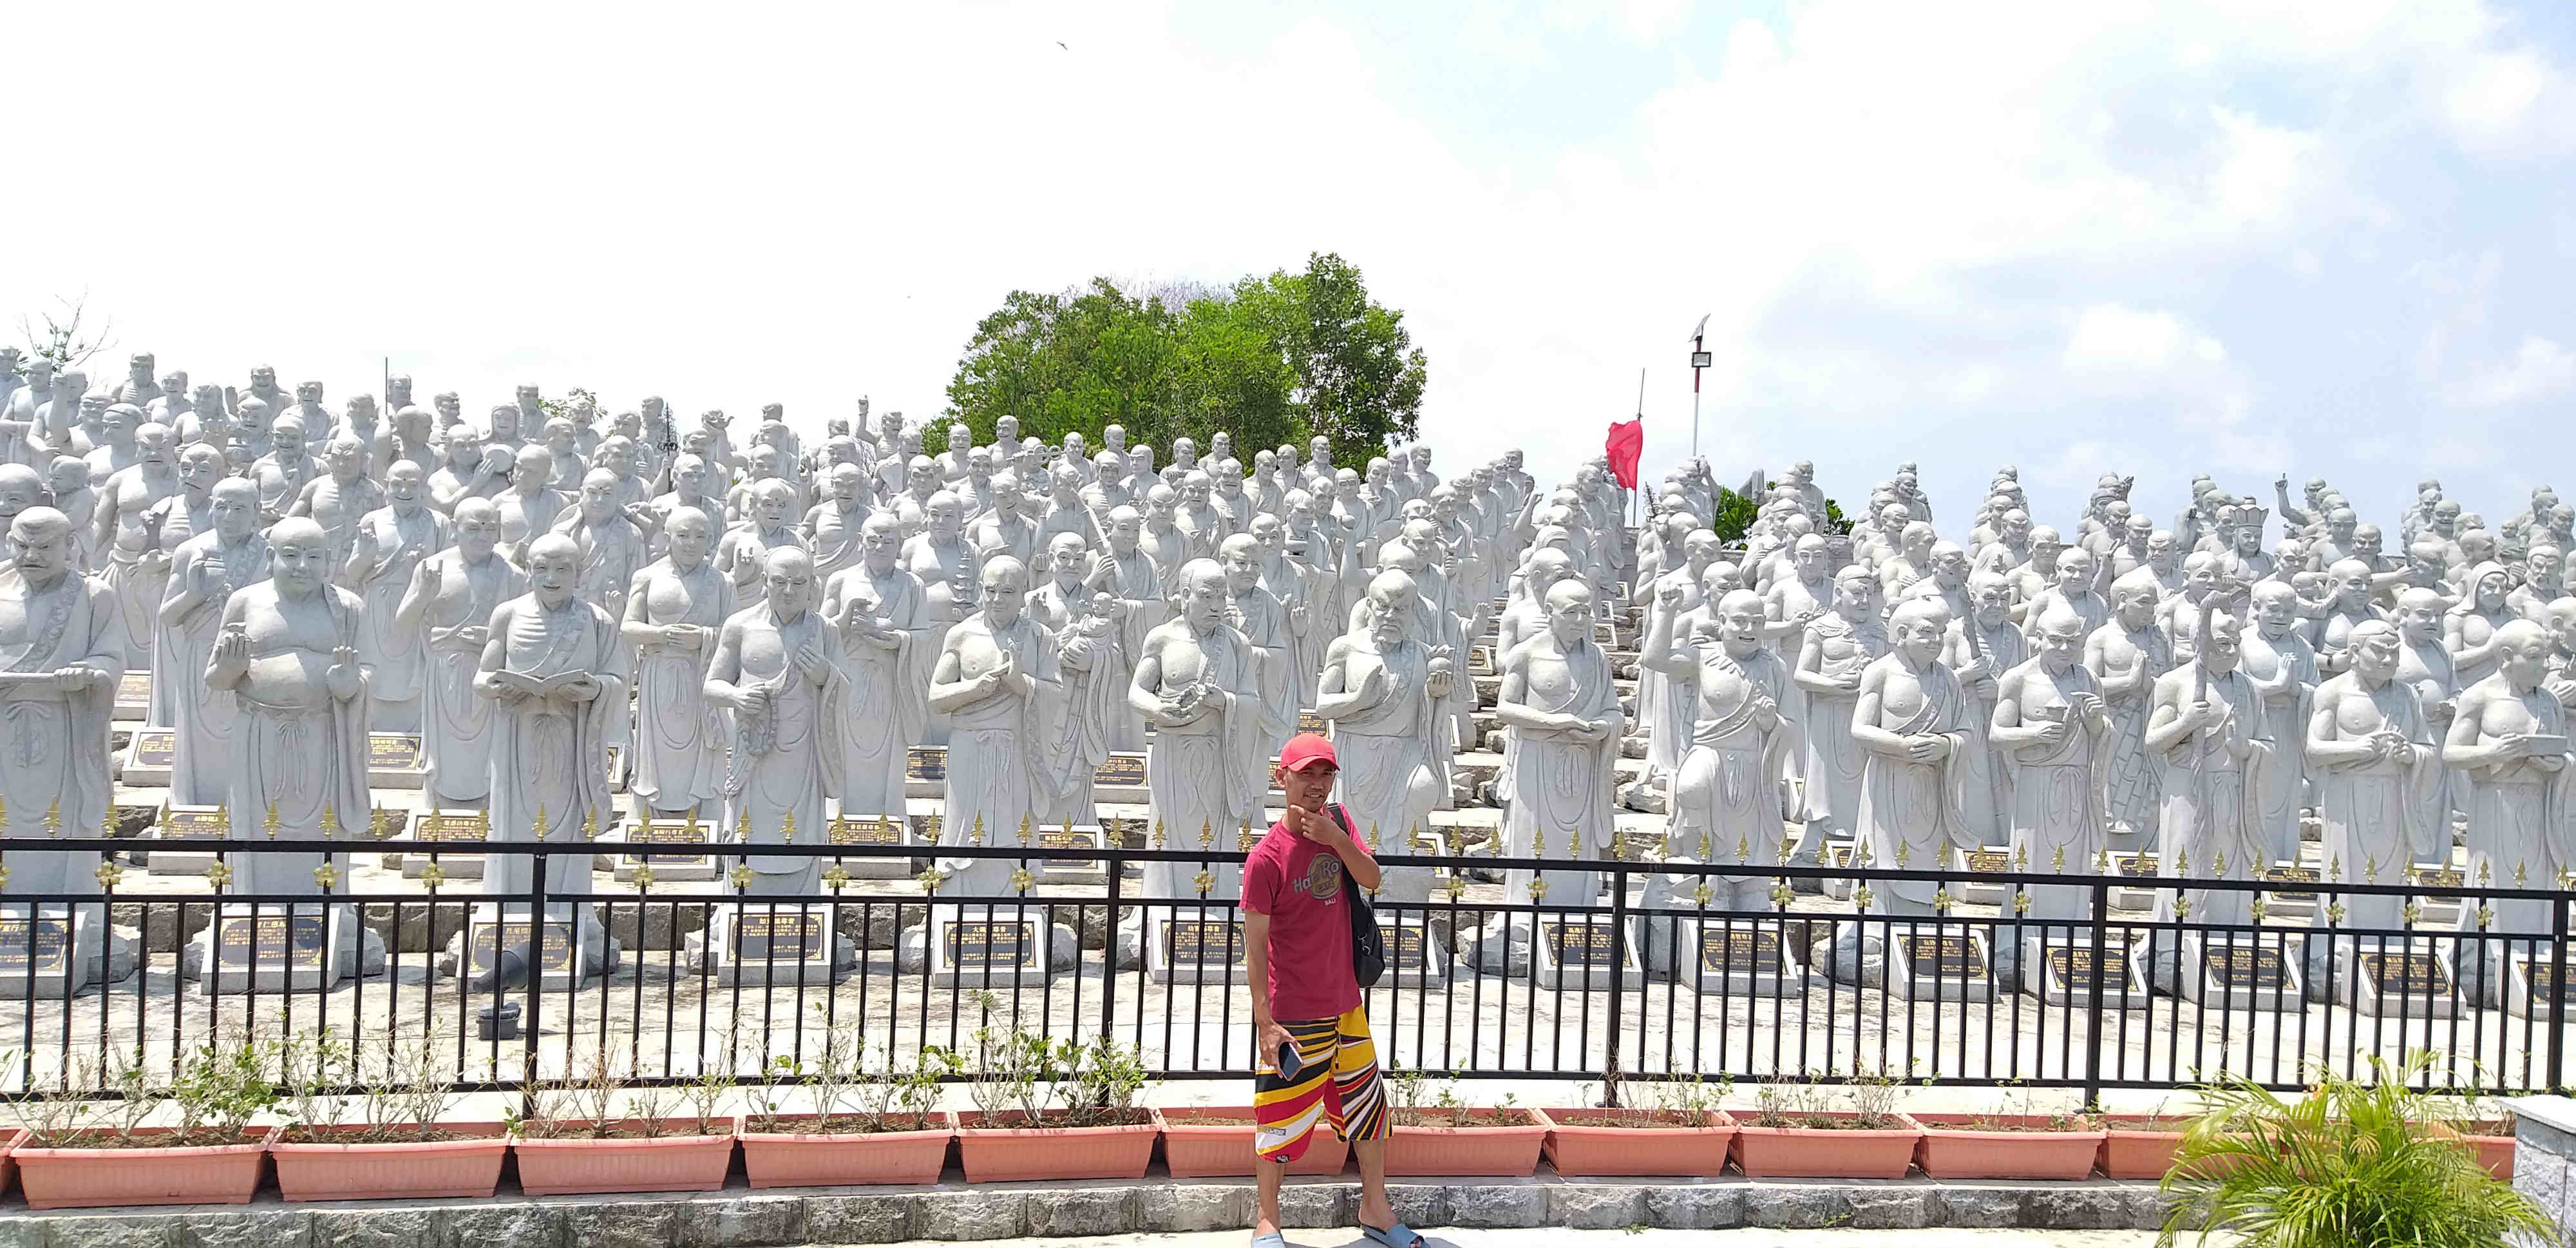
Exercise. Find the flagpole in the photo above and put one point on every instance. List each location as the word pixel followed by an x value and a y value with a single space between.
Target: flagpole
pixel 1699 360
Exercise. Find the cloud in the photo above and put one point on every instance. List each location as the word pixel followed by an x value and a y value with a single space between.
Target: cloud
pixel 2538 369
pixel 2111 337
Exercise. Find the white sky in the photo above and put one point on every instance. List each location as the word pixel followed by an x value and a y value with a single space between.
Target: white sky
pixel 2240 236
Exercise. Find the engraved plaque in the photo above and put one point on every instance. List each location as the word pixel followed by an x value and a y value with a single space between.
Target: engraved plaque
pixel 793 936
pixel 554 957
pixel 1948 955
pixel 927 762
pixel 1580 944
pixel 193 823
pixel 393 751
pixel 156 747
pixel 1121 769
pixel 667 832
pixel 848 831
pixel 999 943
pixel 1754 951
pixel 453 827
pixel 294 940
pixel 1204 942
pixel 134 689
pixel 41 945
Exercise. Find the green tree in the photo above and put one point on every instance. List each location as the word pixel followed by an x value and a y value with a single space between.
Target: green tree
pixel 1271 359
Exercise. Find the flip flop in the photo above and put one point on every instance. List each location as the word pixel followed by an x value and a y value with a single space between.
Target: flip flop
pixel 1274 1239
pixel 1396 1236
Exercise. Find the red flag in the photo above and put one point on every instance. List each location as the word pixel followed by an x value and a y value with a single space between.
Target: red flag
pixel 1627 441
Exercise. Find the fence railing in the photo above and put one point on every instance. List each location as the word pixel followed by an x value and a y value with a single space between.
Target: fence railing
pixel 2088 982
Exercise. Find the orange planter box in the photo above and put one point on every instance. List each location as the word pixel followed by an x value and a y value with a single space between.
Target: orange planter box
pixel 1805 1153
pixel 1578 1146
pixel 195 1174
pixel 834 1159
pixel 1490 1151
pixel 667 1163
pixel 1001 1154
pixel 1196 1150
pixel 1953 1147
pixel 467 1166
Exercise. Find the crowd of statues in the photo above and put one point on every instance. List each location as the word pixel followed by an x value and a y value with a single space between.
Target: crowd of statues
pixel 2188 691
pixel 761 634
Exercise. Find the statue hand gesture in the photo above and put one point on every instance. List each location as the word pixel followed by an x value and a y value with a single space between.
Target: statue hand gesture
pixel 1669 596
pixel 681 637
pixel 2512 745
pixel 342 676
pixel 1926 748
pixel 811 666
pixel 232 646
pixel 1373 682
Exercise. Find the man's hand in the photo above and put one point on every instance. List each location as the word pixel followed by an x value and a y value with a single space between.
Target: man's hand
pixel 1316 827
pixel 1268 1038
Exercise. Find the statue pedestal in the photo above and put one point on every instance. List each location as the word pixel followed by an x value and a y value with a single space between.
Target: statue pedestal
pixel 1980 888
pixel 1743 960
pixel 172 853
pixel 1938 962
pixel 1071 870
pixel 788 944
pixel 1575 951
pixel 149 758
pixel 874 830
pixel 133 696
pixel 990 946
pixel 1184 947
pixel 2528 979
pixel 2139 867
pixel 2399 981
pixel 679 868
pixel 1414 956
pixel 2060 970
pixel 393 760
pixel 303 947
pixel 2440 912
pixel 574 948
pixel 56 950
pixel 448 826
pixel 2297 904
pixel 2238 971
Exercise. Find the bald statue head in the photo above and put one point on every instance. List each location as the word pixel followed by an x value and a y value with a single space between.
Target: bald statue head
pixel 2526 646
pixel 787 582
pixel 1916 629
pixel 554 569
pixel 43 538
pixel 478 529
pixel 298 557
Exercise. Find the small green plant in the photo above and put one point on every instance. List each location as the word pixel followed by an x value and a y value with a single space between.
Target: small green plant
pixel 1018 1076
pixel 221 1085
pixel 2351 1162
pixel 1808 1104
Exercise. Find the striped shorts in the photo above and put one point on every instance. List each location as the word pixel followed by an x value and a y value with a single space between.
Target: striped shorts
pixel 1336 1079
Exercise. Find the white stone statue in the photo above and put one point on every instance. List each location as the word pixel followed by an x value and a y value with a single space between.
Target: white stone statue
pixel 556 675
pixel 2376 765
pixel 1562 708
pixel 1726 785
pixel 204 573
pixel 831 529
pixel 1273 626
pixel 130 522
pixel 1198 684
pixel 2510 742
pixel 288 653
pixel 777 671
pixel 887 652
pixel 1000 682
pixel 1911 719
pixel 2208 738
pixel 2127 654
pixel 448 611
pixel 339 498
pixel 674 611
pixel 61 651
pixel 768 527
pixel 1838 647
pixel 2054 730
pixel 1381 691
pixel 384 558
pixel 2277 658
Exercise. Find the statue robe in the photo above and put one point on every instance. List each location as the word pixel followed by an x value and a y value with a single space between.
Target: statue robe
pixel 1007 755
pixel 2207 812
pixel 1211 775
pixel 1561 791
pixel 1833 764
pixel 549 755
pixel 835 540
pixel 455 721
pixel 2058 820
pixel 2520 821
pixel 392 655
pixel 1265 624
pixel 1997 650
pixel 1920 808
pixel 2372 810
pixel 2130 793
pixel 884 709
pixel 302 761
pixel 1726 784
pixel 787 761
pixel 200 773
pixel 53 745
pixel 1092 653
pixel 2284 787
pixel 1138 583
pixel 679 740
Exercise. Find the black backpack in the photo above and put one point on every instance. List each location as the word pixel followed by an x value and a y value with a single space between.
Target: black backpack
pixel 1368 945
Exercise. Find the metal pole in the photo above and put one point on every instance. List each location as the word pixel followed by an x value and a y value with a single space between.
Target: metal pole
pixel 1695 396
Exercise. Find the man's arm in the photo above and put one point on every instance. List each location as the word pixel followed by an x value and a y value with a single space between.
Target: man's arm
pixel 1267 1034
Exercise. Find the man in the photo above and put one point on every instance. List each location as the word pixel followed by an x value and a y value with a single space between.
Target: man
pixel 1296 928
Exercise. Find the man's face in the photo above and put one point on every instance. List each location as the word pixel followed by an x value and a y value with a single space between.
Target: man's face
pixel 845 484
pixel 2376 657
pixel 118 424
pixel 877 546
pixel 553 573
pixel 2199 579
pixel 2136 605
pixel 2352 590
pixel 68 477
pixel 2074 571
pixel 1390 617
pixel 692 477
pixel 2543 566
pixel 1951 567
pixel 979 464
pixel 2365 541
pixel 1004 494
pixel 1809 558
pixel 1266 534
pixel 1007 429
pixel 619 458
pixel 771 508
pixel 1307 788
pixel 2224 648
pixel 2422 621
pixel 2526 663
pixel 42 554
pixel 477 528
pixel 923 479
pixel 1194 492
pixel 344 460
pixel 263 380
pixel 2061 646
pixel 2339 527
pixel 1064 561
pixel 959 440
pixel 788 584
pixel 1241 573
pixel 2160 552
pixel 296 562
pixel 2492 589
pixel 2274 613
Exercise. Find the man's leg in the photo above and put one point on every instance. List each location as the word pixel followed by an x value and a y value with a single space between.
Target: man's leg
pixel 1265 1218
pixel 1362 1116
pixel 1286 1111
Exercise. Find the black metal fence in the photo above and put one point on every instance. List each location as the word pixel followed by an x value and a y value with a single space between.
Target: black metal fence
pixel 1651 976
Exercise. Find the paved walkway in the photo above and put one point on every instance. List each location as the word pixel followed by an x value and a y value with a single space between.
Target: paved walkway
pixel 1550 1237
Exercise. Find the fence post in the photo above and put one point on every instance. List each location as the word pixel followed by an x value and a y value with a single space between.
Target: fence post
pixel 1109 942
pixel 1618 971
pixel 2557 991
pixel 536 986
pixel 2092 994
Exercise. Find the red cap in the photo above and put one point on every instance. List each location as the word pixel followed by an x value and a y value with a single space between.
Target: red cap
pixel 1305 750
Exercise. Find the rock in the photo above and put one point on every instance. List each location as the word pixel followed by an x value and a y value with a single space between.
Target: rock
pixel 1851 957
pixel 1499 947
pixel 1633 747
